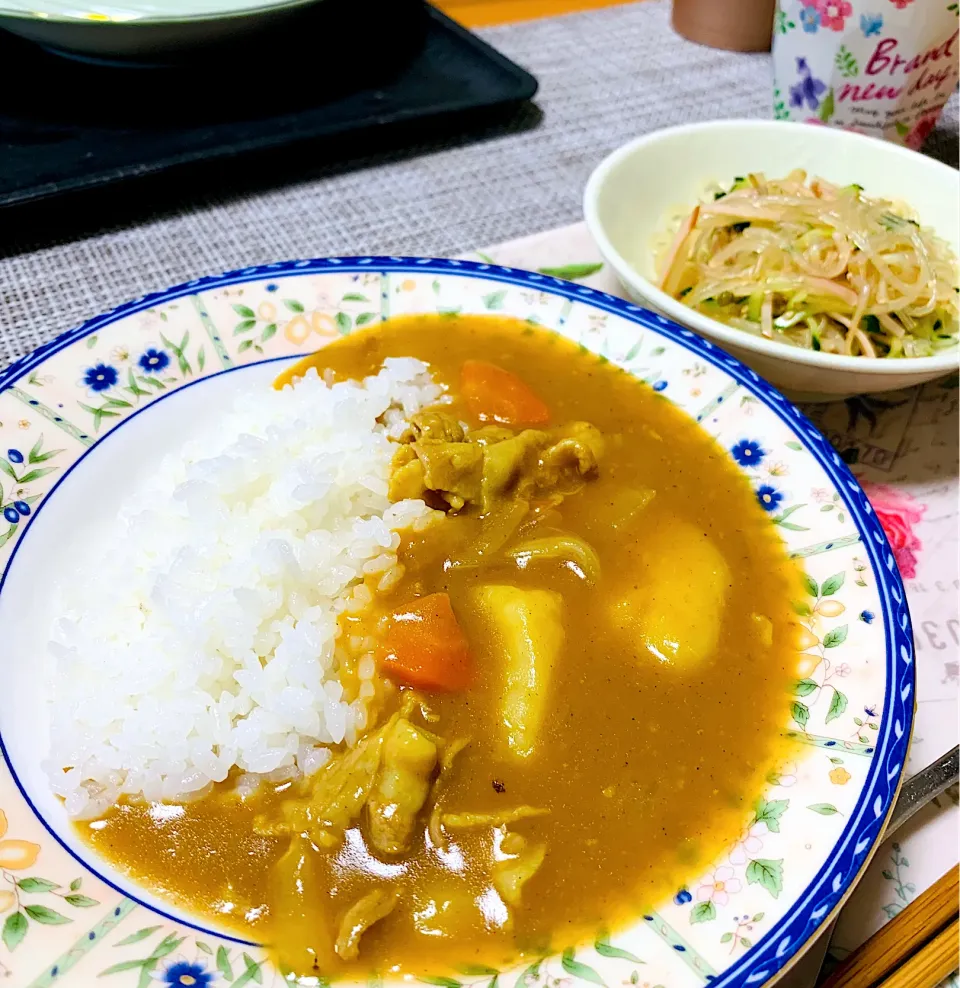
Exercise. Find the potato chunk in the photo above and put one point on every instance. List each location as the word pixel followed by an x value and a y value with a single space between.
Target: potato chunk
pixel 526 627
pixel 303 938
pixel 675 610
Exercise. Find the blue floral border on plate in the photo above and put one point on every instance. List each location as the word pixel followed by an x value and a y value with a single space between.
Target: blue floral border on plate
pixel 825 892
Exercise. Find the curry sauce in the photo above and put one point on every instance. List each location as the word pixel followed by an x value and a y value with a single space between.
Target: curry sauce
pixel 658 717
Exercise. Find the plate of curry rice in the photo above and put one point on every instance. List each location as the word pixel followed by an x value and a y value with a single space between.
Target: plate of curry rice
pixel 374 620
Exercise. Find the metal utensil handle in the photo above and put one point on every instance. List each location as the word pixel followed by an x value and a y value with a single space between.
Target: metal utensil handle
pixel 923 787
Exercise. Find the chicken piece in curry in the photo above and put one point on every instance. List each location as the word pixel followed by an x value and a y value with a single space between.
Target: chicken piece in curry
pixel 585 665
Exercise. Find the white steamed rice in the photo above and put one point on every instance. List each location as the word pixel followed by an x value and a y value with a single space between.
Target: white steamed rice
pixel 209 638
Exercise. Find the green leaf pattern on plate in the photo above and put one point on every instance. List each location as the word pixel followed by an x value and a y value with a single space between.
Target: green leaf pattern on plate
pixel 766 873
pixel 578 969
pixel 824 809
pixel 736 937
pixel 17 924
pixel 769 812
pixel 119 381
pixel 605 948
pixel 817 643
pixel 18 477
pixel 703 912
pixel 230 964
pixel 573 272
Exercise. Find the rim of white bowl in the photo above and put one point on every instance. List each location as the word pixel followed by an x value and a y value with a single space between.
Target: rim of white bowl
pixel 946 361
pixel 84 19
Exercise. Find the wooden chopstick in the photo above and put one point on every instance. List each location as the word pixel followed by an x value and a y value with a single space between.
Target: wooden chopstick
pixel 931 964
pixel 901 938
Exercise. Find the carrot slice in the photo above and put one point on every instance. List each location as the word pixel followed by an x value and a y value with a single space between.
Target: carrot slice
pixel 495 395
pixel 425 646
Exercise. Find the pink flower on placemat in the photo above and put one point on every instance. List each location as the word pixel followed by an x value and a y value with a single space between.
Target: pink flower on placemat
pixel 921 131
pixel 833 13
pixel 898 512
pixel 901 4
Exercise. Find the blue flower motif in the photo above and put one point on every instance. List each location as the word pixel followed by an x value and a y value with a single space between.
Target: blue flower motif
pixel 809 20
pixel 11 514
pixel 867 617
pixel 748 453
pixel 180 974
pixel 870 711
pixel 769 497
pixel 14 456
pixel 871 24
pixel 808 90
pixel 22 508
pixel 153 361
pixel 272 287
pixel 100 378
pixel 659 385
pixel 683 897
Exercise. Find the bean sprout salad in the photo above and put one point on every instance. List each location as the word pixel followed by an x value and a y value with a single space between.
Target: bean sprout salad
pixel 815 265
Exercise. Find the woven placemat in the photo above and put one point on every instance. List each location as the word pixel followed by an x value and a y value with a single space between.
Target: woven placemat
pixel 605 77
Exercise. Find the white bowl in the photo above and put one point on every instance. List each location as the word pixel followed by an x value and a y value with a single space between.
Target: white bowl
pixel 630 195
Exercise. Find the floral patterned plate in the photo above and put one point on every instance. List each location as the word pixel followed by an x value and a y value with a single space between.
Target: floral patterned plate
pixel 103 401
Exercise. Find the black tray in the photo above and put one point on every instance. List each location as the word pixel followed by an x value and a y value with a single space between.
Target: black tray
pixel 347 69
